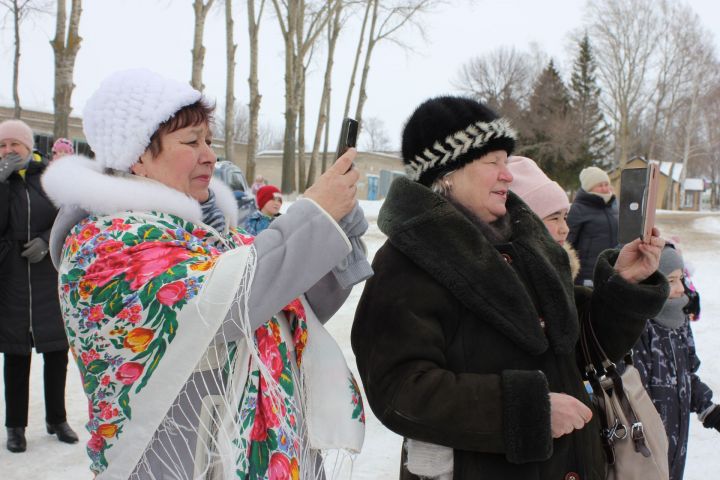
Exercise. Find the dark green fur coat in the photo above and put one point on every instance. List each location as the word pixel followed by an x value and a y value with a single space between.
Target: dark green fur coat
pixel 451 350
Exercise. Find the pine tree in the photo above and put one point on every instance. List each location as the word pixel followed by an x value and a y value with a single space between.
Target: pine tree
pixel 549 136
pixel 593 133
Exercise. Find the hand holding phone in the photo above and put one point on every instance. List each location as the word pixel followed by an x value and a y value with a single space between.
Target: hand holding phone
pixel 348 137
pixel 638 196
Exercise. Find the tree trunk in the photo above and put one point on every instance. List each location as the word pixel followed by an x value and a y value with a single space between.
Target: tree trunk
pixel 356 62
pixel 198 51
pixel 66 50
pixel 229 83
pixel 333 34
pixel 301 131
pixel 16 60
pixel 255 97
pixel 362 96
pixel 327 136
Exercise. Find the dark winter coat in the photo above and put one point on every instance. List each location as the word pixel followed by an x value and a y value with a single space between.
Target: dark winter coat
pixel 593 228
pixel 452 351
pixel 29 306
pixel 668 364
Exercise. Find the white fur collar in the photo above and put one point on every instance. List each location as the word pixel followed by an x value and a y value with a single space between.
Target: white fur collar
pixel 76 181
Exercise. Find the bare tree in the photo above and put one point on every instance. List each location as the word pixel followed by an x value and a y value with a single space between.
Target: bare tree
pixel 19 10
pixel 309 19
pixel 198 52
pixel 332 36
pixel 253 82
pixel 625 33
pixel 358 51
pixel 711 126
pixel 230 48
pixel 500 78
pixel 240 123
pixel 66 47
pixel 375 135
pixel 386 21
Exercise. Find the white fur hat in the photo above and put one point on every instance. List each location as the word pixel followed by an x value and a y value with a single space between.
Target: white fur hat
pixel 130 105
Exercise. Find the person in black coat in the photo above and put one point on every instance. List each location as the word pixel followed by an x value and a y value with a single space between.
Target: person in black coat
pixel 28 289
pixel 593 221
pixel 465 337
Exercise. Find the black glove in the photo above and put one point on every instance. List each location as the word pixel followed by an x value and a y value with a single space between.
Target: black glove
pixel 9 164
pixel 712 419
pixel 35 250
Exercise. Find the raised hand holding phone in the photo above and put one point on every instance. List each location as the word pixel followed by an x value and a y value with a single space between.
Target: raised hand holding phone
pixel 335 189
pixel 348 137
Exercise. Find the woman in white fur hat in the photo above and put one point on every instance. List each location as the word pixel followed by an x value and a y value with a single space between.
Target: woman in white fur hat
pixel 200 347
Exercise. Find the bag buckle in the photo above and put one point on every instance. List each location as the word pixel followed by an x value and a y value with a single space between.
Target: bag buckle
pixel 638 436
pixel 638 433
pixel 617 431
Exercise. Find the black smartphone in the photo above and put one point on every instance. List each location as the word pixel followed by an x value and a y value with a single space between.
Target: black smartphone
pixel 638 196
pixel 348 137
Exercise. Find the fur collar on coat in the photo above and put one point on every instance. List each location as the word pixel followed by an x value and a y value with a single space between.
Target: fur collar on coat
pixel 78 186
pixel 443 242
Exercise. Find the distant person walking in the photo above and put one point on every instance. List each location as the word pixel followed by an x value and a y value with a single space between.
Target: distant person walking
pixel 593 221
pixel 257 184
pixel 269 200
pixel 62 147
pixel 28 289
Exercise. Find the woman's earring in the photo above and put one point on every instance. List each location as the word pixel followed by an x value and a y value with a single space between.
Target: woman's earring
pixel 447 184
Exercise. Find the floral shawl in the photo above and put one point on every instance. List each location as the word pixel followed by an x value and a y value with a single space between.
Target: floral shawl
pixel 140 322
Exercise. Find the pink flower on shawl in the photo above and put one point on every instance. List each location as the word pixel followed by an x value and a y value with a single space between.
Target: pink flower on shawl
pixel 279 468
pixel 96 443
pixel 172 293
pixel 118 224
pixel 140 263
pixel 87 233
pixel 259 430
pixel 129 372
pixel 269 352
pixel 106 248
pixel 96 314
pixel 89 356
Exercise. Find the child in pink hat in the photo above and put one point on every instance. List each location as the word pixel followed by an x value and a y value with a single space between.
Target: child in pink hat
pixel 62 147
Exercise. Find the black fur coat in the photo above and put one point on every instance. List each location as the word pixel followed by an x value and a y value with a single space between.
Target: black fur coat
pixel 450 344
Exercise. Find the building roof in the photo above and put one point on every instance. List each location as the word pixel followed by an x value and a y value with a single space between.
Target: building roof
pixel 694 184
pixel 666 166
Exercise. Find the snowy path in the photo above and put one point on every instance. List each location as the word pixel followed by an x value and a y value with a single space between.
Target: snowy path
pixel 47 458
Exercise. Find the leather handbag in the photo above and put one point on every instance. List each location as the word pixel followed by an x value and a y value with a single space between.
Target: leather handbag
pixel 632 433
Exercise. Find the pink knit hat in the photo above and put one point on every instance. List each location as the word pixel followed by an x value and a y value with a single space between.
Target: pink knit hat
pixel 531 184
pixel 17 130
pixel 63 145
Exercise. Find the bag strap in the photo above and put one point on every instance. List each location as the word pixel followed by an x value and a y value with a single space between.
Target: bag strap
pixel 637 432
pixel 607 431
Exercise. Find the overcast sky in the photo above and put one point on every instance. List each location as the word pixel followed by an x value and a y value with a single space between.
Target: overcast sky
pixel 157 34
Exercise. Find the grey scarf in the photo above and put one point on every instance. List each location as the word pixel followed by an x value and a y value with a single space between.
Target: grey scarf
pixel 672 315
pixel 212 215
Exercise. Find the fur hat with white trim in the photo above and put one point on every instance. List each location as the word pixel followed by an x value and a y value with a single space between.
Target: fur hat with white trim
pixel 445 133
pixel 127 109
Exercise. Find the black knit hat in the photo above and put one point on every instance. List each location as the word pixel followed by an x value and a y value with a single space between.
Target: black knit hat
pixel 445 133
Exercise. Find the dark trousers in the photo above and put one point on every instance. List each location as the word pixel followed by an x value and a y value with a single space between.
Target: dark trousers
pixel 17 387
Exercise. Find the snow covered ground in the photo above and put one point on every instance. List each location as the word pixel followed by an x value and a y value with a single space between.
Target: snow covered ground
pixel 47 458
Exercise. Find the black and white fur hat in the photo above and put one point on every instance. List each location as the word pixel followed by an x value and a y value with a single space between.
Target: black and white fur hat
pixel 445 133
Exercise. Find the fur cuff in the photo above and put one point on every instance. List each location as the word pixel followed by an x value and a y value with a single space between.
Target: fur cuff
pixel 526 416
pixel 641 300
